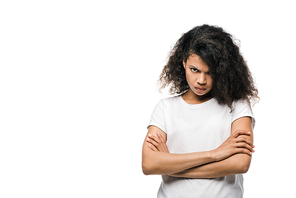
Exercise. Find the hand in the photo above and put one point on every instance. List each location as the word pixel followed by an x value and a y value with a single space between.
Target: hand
pixel 157 143
pixel 235 144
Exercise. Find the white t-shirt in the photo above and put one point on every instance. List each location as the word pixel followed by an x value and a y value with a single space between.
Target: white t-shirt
pixel 195 128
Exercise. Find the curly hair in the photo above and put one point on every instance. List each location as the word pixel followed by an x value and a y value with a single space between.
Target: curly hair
pixel 231 76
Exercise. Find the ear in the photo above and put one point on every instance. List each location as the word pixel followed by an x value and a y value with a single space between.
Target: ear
pixel 184 64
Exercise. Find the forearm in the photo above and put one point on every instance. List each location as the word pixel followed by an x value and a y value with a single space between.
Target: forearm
pixel 236 164
pixel 160 163
pixel 165 163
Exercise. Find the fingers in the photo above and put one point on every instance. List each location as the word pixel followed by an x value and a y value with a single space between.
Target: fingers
pixel 153 140
pixel 240 132
pixel 244 151
pixel 245 146
pixel 160 137
pixel 152 147
pixel 243 139
pixel 237 135
pixel 243 142
pixel 157 143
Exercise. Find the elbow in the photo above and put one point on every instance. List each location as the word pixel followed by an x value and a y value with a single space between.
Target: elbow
pixel 150 167
pixel 147 168
pixel 244 166
pixel 153 164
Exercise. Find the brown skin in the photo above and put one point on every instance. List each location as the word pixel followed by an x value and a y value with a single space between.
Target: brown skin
pixel 197 76
pixel 232 157
pixel 232 78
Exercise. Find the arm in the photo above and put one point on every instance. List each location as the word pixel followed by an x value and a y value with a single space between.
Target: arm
pixel 164 163
pixel 235 164
pixel 157 160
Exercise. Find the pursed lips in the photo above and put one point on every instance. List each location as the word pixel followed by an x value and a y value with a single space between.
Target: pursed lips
pixel 200 88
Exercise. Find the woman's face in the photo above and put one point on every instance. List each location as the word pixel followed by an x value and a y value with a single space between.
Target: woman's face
pixel 198 76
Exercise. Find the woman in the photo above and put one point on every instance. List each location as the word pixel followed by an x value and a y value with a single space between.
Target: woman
pixel 201 141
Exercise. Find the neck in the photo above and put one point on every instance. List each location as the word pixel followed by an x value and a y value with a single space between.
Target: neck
pixel 192 98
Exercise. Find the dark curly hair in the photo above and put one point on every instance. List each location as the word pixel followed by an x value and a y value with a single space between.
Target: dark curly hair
pixel 231 76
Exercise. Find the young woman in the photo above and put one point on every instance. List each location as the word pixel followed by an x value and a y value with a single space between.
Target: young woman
pixel 201 141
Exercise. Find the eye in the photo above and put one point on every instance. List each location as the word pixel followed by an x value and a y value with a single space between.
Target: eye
pixel 194 70
pixel 208 73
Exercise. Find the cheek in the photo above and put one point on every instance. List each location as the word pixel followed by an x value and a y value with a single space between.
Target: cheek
pixel 210 82
pixel 188 77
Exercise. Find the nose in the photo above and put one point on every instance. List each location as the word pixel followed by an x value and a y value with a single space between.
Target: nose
pixel 202 80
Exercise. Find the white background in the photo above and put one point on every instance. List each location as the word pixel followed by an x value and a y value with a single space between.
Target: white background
pixel 78 86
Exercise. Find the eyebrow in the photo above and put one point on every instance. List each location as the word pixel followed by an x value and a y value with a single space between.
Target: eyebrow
pixel 198 69
pixel 193 66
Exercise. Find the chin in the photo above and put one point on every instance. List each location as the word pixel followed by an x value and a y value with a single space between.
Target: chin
pixel 201 93
pixel 206 93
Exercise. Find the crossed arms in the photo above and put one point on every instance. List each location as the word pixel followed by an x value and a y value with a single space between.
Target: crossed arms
pixel 231 157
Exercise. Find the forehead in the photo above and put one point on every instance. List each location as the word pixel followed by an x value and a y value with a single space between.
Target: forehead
pixel 196 61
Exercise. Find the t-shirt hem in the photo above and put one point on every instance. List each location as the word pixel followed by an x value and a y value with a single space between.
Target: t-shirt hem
pixel 157 125
pixel 247 115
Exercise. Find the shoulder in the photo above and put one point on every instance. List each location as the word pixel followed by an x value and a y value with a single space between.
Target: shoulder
pixel 169 103
pixel 241 104
pixel 166 103
pixel 170 100
pixel 242 108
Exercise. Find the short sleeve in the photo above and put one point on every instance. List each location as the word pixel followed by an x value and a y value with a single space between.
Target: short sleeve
pixel 157 118
pixel 242 108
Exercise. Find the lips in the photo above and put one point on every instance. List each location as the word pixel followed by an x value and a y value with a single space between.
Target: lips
pixel 200 89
